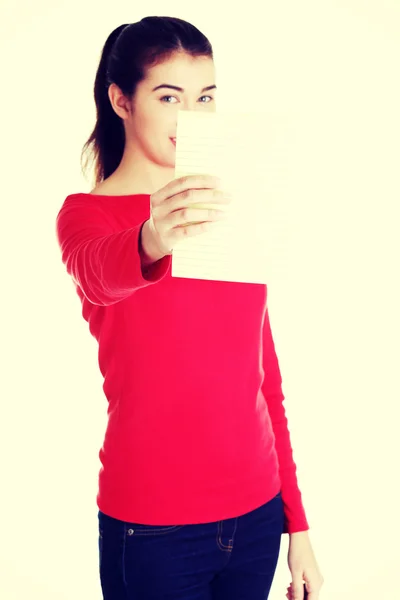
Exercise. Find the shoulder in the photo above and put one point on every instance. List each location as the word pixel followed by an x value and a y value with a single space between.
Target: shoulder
pixel 81 206
pixel 109 187
pixel 100 189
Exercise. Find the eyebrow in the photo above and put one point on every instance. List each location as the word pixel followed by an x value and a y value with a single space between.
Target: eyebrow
pixel 179 89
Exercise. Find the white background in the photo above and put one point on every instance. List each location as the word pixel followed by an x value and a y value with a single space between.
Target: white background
pixel 334 308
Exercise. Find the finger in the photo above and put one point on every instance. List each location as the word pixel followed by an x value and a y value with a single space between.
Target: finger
pixel 202 199
pixel 194 221
pixel 183 184
pixel 297 588
pixel 190 230
pixel 307 593
pixel 193 215
pixel 199 198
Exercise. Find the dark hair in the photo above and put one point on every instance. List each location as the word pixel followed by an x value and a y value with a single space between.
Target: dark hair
pixel 128 52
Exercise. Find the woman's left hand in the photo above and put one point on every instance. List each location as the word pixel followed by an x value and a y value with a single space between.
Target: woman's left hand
pixel 303 567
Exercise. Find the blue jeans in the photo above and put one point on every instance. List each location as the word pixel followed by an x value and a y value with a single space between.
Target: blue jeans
pixel 234 559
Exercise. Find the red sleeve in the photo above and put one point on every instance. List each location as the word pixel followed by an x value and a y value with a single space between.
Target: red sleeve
pixel 295 518
pixel 104 263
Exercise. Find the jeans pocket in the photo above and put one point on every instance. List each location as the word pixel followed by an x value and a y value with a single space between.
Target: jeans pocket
pixel 136 530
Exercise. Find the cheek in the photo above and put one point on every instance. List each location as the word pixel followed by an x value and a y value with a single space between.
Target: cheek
pixel 150 122
pixel 145 122
pixel 154 126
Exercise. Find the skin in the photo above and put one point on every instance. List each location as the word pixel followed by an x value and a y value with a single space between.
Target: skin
pixel 150 120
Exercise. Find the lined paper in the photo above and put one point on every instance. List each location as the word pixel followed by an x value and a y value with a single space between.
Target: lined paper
pixel 245 151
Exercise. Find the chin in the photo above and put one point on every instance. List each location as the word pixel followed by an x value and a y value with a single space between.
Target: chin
pixel 168 163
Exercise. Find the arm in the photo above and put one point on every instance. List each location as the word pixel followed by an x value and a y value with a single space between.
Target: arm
pixel 295 518
pixel 148 249
pixel 108 266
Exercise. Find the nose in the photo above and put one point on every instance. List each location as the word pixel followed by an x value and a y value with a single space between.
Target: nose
pixel 190 105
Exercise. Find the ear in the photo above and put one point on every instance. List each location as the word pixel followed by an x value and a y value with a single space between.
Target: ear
pixel 120 103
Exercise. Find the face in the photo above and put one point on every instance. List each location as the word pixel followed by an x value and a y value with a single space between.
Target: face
pixel 181 83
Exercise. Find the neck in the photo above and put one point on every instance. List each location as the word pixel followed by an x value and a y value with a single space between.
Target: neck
pixel 136 174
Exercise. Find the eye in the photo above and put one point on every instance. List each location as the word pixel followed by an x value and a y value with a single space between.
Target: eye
pixel 163 99
pixel 210 97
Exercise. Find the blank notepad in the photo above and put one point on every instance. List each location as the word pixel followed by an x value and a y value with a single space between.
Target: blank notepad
pixel 246 152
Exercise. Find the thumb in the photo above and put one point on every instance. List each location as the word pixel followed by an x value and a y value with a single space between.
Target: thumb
pixel 297 586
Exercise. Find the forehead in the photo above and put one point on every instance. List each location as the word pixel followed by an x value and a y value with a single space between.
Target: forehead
pixel 182 68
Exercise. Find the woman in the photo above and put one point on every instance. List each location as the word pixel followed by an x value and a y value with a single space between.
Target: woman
pixel 198 481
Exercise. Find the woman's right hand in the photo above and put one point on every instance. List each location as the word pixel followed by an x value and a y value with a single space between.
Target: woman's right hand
pixel 185 207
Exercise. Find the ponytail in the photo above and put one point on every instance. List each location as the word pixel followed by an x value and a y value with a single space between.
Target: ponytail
pixel 108 137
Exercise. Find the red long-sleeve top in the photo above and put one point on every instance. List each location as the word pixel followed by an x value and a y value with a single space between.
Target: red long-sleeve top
pixel 197 430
